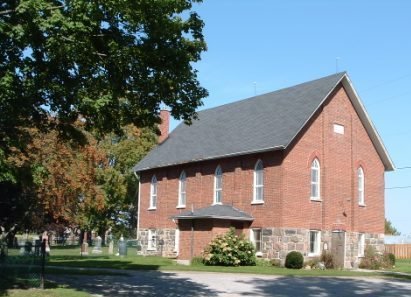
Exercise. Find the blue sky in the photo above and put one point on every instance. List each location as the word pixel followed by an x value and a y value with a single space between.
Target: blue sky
pixel 264 45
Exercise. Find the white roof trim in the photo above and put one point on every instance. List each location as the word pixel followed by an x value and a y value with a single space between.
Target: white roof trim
pixel 368 124
pixel 365 120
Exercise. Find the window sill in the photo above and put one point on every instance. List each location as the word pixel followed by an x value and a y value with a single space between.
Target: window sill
pixel 316 199
pixel 217 203
pixel 258 254
pixel 180 206
pixel 314 254
pixel 152 208
pixel 151 249
pixel 362 205
pixel 257 202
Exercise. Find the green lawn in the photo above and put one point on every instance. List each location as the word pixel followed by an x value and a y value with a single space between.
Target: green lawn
pixel 403 265
pixel 57 292
pixel 70 258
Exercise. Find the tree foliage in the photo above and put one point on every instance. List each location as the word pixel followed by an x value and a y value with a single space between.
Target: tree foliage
pixel 118 181
pixel 88 186
pixel 61 177
pixel 390 229
pixel 111 62
pixel 108 63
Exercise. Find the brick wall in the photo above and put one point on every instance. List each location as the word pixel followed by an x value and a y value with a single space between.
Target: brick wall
pixel 237 189
pixel 339 156
pixel 287 201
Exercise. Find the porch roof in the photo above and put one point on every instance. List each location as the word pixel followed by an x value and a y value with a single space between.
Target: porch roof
pixel 216 211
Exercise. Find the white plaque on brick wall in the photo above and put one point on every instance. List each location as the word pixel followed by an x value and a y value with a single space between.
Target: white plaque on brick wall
pixel 339 129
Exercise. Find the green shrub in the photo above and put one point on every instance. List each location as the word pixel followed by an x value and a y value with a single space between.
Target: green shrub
pixel 391 258
pixel 294 260
pixel 195 261
pixel 229 250
pixel 328 259
pixel 263 262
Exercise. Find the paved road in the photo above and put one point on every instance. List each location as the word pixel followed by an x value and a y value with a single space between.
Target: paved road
pixel 173 284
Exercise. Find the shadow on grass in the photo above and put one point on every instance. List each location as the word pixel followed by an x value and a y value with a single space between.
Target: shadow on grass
pixel 104 263
pixel 19 272
pixel 18 278
pixel 396 275
pixel 110 262
pixel 140 283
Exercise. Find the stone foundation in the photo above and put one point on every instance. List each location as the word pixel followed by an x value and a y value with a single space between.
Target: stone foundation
pixel 276 243
pixel 165 246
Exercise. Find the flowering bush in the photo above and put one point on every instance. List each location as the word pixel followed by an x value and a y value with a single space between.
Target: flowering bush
pixel 229 250
pixel 374 260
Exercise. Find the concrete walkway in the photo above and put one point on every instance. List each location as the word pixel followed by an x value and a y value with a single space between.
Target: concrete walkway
pixel 172 284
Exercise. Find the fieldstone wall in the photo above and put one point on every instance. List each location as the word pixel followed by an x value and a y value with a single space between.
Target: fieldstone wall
pixel 278 242
pixel 374 240
pixel 166 236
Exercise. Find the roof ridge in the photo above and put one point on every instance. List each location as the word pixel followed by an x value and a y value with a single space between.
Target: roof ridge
pixel 243 127
pixel 342 73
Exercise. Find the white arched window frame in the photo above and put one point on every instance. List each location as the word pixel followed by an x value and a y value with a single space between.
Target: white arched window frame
pixel 182 190
pixel 258 195
pixel 218 186
pixel 315 180
pixel 153 193
pixel 361 186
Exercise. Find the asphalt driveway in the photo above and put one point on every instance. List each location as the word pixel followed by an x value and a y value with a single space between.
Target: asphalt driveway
pixel 172 284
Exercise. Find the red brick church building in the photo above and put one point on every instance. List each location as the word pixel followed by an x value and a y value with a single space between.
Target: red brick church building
pixel 301 168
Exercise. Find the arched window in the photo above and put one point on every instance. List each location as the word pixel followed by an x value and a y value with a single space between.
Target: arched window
pixel 153 192
pixel 182 190
pixel 315 180
pixel 258 195
pixel 218 186
pixel 361 182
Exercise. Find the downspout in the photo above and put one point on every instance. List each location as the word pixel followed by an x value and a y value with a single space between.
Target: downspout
pixel 192 240
pixel 192 234
pixel 138 207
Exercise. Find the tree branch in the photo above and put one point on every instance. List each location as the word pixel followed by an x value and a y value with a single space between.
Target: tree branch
pixel 9 11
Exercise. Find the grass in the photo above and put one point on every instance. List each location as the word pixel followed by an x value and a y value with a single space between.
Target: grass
pixel 70 259
pixel 51 292
pixel 402 265
pixel 20 277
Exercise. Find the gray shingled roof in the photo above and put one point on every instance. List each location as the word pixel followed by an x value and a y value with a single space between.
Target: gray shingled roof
pixel 261 123
pixel 217 211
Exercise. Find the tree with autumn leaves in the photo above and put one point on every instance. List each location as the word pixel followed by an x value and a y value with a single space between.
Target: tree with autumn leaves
pixel 89 186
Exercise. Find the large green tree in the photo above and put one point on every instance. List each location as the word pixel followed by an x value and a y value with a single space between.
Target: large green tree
pixel 118 181
pixel 110 62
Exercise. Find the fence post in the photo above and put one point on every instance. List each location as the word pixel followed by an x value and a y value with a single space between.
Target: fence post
pixel 43 262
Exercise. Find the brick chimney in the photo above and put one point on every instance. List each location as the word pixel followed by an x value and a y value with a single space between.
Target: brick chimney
pixel 164 126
